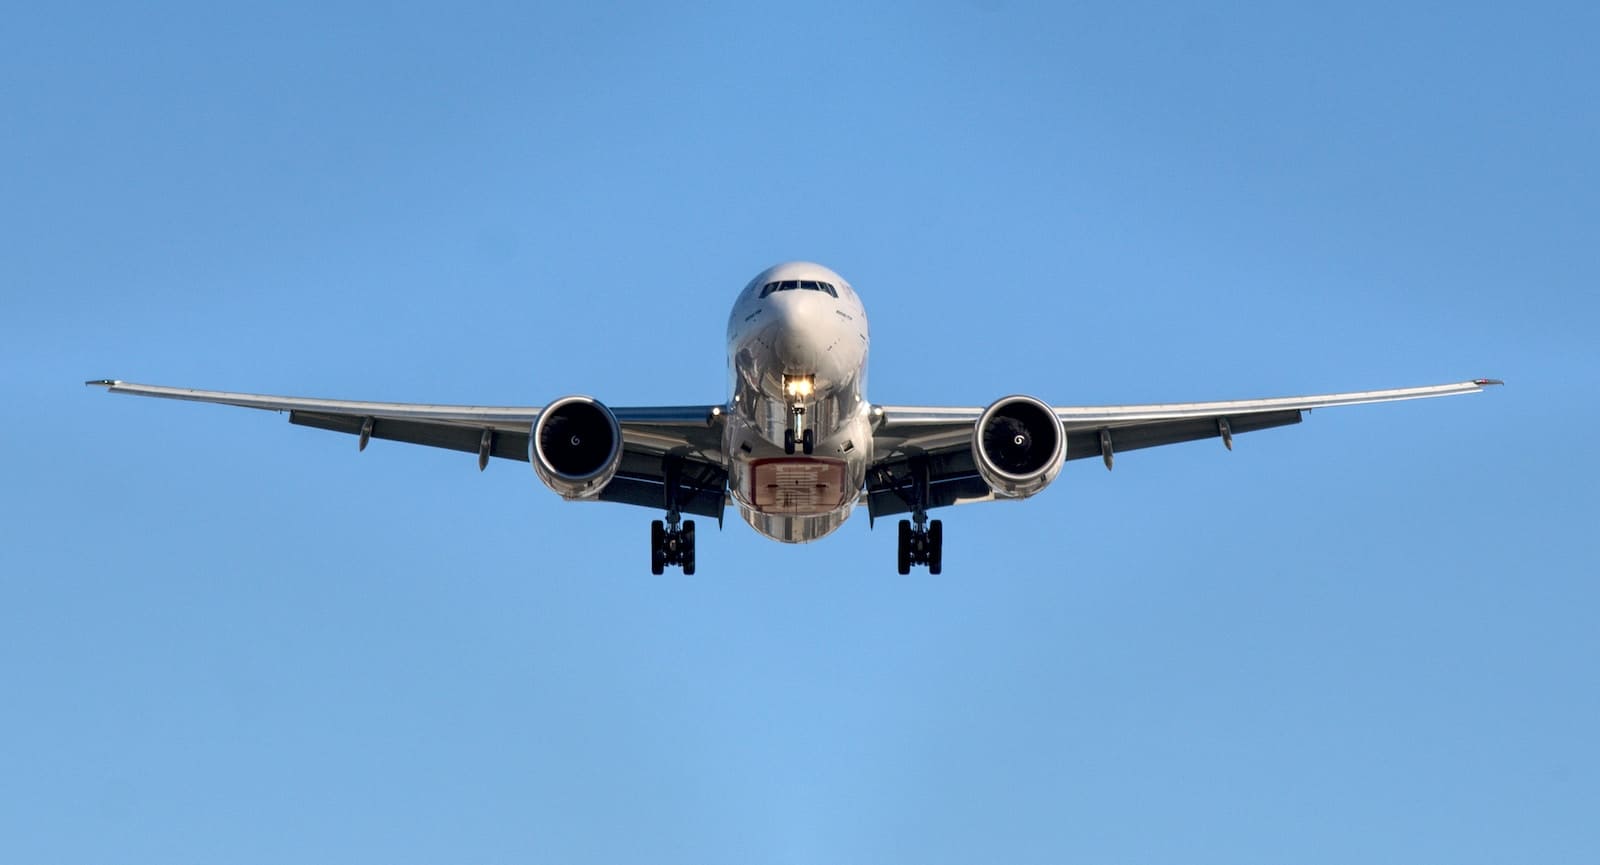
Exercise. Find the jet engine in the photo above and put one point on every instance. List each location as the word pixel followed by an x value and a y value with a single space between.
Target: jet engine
pixel 576 447
pixel 1019 446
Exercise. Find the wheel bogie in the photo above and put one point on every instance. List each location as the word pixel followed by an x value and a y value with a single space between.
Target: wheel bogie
pixel 671 546
pixel 920 546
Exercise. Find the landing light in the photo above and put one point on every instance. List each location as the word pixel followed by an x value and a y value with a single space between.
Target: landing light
pixel 798 386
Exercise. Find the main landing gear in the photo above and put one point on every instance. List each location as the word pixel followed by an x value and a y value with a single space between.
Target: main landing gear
pixel 921 539
pixel 921 546
pixel 671 545
pixel 672 539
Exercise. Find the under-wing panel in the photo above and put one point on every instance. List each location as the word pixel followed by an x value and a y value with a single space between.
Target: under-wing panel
pixel 1082 444
pixel 953 475
pixel 645 479
pixel 909 429
pixel 664 448
pixel 935 442
pixel 504 444
pixel 952 479
pixel 641 478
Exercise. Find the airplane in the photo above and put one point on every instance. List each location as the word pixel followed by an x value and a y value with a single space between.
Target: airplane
pixel 797 445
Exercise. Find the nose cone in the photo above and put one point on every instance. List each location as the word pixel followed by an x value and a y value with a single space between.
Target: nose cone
pixel 796 328
pixel 796 320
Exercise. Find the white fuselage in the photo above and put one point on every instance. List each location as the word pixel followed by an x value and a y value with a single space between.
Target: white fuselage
pixel 797 358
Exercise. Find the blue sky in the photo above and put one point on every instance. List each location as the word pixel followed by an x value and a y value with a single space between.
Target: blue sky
pixel 1366 638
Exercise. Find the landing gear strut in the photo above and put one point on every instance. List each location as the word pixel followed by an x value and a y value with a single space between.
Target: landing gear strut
pixel 671 545
pixel 672 542
pixel 921 539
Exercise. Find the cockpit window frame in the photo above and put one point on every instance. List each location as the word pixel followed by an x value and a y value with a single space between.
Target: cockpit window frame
pixel 799 284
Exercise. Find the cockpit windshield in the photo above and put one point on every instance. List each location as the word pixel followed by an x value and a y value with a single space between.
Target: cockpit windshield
pixel 800 284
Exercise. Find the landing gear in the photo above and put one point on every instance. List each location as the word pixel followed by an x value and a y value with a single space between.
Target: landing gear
pixel 921 539
pixel 921 546
pixel 807 442
pixel 798 433
pixel 670 545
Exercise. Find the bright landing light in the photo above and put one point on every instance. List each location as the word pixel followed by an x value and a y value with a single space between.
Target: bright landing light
pixel 798 386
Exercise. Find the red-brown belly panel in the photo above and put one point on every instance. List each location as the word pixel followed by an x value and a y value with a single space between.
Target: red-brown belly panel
pixel 798 486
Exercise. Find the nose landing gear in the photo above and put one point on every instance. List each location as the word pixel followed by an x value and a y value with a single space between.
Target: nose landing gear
pixel 798 432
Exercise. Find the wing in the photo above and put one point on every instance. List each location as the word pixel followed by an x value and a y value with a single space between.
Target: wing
pixel 940 438
pixel 682 444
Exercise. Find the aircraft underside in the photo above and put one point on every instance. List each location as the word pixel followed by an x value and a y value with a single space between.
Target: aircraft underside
pixel 796 446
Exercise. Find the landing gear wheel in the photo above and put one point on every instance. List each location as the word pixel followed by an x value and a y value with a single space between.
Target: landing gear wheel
pixel 903 559
pixel 658 547
pixel 671 546
pixel 808 441
pixel 686 548
pixel 788 441
pixel 920 546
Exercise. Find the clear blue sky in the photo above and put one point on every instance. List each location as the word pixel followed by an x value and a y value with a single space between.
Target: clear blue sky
pixel 1368 638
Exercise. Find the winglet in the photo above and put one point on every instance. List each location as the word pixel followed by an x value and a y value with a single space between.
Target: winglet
pixel 1485 382
pixel 104 382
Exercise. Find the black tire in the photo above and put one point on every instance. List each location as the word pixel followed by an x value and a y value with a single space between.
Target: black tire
pixel 903 561
pixel 788 441
pixel 686 546
pixel 935 547
pixel 808 442
pixel 658 547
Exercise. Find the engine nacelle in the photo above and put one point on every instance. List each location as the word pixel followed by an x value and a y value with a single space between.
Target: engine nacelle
pixel 576 447
pixel 1019 446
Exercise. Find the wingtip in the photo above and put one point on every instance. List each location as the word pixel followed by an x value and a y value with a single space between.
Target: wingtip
pixel 1487 382
pixel 103 382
